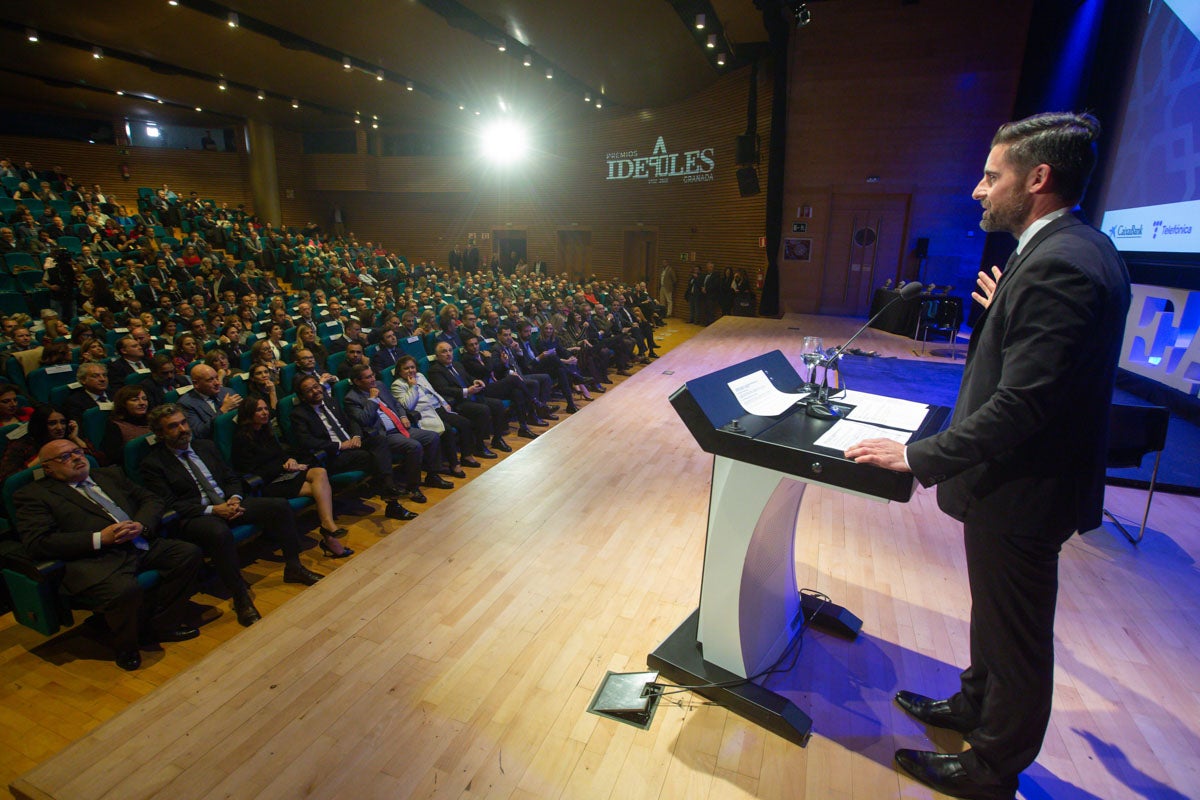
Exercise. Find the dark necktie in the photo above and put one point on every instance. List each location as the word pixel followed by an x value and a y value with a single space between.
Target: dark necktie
pixel 212 495
pixel 112 509
pixel 457 377
pixel 333 423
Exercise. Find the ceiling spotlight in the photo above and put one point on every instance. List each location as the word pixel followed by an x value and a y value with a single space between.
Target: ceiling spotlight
pixel 528 60
pixel 378 74
pixel 222 85
pixel 587 97
pixel 549 74
pixel 32 36
pixel 262 95
pixel 375 125
pixel 159 101
pixel 477 112
pixel 295 103
pixel 408 85
pixel 375 116
pixel 699 22
pixel 120 93
pixel 358 120
pixel 97 53
pixel 346 65
pixel 720 59
pixel 712 41
pixel 502 47
pixel 599 104
pixel 172 2
pixel 232 19
pixel 198 108
pixel 802 14
pixel 461 107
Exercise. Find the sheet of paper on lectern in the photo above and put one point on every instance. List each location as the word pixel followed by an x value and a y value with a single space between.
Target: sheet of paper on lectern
pixel 875 409
pixel 759 396
pixel 846 432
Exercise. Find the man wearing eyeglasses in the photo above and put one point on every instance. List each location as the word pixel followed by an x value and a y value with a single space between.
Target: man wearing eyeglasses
pixel 105 528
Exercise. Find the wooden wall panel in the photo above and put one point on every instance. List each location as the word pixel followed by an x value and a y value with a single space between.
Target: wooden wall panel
pixel 221 176
pixel 916 111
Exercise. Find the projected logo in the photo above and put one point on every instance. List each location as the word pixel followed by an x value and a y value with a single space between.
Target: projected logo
pixel 1170 229
pixel 1125 231
pixel 692 166
pixel 1160 337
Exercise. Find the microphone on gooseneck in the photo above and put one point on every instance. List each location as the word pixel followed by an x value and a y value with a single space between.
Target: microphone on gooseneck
pixel 820 407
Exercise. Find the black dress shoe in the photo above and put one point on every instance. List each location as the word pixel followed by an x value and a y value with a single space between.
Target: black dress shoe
pixel 458 473
pixel 300 574
pixel 502 446
pixel 599 388
pixel 485 453
pixel 415 495
pixel 550 416
pixel 536 422
pixel 525 433
pixel 389 493
pixel 247 614
pixel 470 462
pixel 435 481
pixel 571 409
pixel 946 773
pixel 180 633
pixel 548 410
pixel 129 660
pixel 934 712
pixel 396 511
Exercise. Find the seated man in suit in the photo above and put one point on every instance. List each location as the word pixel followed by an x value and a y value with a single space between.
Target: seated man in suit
pixel 206 401
pixel 198 483
pixel 92 391
pixel 319 426
pixel 389 351
pixel 480 365
pixel 374 414
pixel 130 359
pixel 467 396
pixel 351 333
pixel 507 360
pixel 355 355
pixel 544 362
pixel 163 378
pixel 105 528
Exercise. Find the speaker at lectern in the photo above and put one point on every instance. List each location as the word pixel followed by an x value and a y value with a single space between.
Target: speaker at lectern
pixel 750 607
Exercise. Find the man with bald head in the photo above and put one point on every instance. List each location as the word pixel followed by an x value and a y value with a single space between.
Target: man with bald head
pixel 206 401
pixel 105 528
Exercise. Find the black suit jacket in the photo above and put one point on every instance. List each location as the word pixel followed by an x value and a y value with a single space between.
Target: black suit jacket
pixel 1029 431
pixel 166 477
pixel 309 431
pixel 57 522
pixel 76 402
pixel 443 382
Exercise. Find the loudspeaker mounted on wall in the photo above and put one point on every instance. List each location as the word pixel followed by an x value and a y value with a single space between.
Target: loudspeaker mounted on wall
pixel 747 149
pixel 922 248
pixel 747 181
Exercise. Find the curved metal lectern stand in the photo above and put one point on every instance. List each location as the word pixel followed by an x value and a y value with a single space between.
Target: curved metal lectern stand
pixel 750 609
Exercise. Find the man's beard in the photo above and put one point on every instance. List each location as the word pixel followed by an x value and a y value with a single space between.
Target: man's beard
pixel 1009 215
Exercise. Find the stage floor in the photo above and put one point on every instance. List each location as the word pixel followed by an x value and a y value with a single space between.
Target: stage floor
pixel 457 657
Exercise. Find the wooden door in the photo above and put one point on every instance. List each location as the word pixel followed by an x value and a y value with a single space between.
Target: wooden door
pixel 574 253
pixel 641 249
pixel 864 249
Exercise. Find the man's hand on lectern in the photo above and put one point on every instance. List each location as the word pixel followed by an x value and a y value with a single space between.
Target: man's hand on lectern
pixel 880 452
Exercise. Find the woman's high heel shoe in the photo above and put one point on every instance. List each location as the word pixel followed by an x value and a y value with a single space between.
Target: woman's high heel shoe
pixel 329 550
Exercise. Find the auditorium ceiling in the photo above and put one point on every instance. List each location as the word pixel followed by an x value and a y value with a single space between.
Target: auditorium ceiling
pixel 620 54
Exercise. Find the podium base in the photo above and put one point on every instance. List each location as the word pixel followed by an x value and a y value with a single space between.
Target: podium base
pixel 678 659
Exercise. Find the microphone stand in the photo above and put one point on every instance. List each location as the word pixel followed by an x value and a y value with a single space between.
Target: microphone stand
pixel 819 406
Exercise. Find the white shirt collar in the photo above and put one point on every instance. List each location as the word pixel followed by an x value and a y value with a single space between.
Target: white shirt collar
pixel 1038 224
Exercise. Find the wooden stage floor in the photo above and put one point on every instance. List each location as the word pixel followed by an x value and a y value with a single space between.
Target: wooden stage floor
pixel 456 657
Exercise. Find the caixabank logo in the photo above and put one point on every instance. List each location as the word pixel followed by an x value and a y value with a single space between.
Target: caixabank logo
pixel 1125 231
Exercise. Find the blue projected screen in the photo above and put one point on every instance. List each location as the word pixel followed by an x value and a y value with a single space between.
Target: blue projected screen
pixel 1151 198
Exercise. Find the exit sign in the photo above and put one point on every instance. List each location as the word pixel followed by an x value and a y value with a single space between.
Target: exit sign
pixel 799 227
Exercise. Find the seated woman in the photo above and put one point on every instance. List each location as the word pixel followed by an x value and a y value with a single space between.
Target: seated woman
pixel 55 353
pixel 307 339
pixel 126 422
pixel 187 350
pixel 11 410
pixel 417 396
pixel 262 383
pixel 46 423
pixel 257 451
pixel 93 350
pixel 218 359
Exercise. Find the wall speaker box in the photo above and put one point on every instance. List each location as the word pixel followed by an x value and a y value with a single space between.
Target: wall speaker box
pixel 922 248
pixel 747 149
pixel 747 181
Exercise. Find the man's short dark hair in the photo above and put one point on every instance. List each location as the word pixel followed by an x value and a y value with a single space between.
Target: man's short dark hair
pixel 1063 140
pixel 357 371
pixel 159 413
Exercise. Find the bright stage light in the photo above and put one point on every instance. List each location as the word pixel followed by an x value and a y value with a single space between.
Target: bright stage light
pixel 504 142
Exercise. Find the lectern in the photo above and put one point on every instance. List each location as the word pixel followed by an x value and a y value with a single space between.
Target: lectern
pixel 750 608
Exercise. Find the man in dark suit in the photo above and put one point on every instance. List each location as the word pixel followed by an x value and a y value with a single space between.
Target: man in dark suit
pixel 130 359
pixel 105 528
pixel 482 366
pixel 210 498
pixel 510 360
pixel 319 426
pixel 163 378
pixel 375 416
pixel 91 392
pixel 206 401
pixel 466 396
pixel 1022 462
